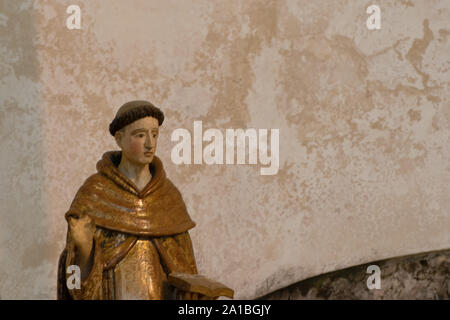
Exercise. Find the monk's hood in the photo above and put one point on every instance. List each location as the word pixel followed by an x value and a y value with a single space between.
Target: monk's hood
pixel 114 202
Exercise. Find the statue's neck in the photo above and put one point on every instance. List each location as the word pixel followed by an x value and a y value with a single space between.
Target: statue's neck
pixel 140 175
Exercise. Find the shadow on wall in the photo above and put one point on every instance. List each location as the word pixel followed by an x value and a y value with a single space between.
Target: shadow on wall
pixel 22 176
pixel 422 276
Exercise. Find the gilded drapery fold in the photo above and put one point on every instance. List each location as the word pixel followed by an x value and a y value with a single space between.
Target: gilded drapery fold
pixel 123 217
pixel 175 252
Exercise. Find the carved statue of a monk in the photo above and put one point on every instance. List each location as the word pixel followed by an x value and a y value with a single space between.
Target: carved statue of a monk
pixel 128 224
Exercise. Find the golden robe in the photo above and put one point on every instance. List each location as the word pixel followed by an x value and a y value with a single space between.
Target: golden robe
pixel 140 237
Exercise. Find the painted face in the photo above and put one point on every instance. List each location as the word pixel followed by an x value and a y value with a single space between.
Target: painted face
pixel 138 140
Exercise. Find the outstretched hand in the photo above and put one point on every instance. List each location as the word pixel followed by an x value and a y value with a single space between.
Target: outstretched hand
pixel 82 231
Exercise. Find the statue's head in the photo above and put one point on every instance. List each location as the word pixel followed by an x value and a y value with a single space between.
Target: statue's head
pixel 136 130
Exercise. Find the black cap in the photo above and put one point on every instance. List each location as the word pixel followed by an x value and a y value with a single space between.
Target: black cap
pixel 132 111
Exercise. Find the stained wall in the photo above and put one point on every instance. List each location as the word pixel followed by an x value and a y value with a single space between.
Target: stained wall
pixel 363 117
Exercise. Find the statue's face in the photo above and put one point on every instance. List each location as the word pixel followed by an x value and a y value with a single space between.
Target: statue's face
pixel 138 140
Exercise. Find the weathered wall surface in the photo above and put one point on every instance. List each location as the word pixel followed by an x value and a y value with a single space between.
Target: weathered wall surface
pixel 363 116
pixel 422 276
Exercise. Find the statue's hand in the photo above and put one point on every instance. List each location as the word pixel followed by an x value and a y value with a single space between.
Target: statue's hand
pixel 82 231
pixel 186 295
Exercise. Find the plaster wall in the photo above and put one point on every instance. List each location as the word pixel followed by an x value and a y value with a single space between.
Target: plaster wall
pixel 363 117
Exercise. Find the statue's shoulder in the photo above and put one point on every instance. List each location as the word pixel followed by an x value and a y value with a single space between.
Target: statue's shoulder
pixel 169 186
pixel 91 189
pixel 93 182
pixel 83 200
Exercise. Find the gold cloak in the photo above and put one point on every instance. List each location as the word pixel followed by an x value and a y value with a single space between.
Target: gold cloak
pixel 149 227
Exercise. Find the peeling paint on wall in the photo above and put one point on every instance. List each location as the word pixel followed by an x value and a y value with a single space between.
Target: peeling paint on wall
pixel 363 116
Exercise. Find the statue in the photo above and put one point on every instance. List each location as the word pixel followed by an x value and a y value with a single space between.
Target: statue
pixel 128 227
